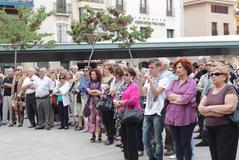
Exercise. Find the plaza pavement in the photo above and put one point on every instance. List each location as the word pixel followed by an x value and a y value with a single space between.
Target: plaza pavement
pixel 30 144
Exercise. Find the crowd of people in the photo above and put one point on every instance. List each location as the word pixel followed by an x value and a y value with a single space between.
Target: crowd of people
pixel 175 97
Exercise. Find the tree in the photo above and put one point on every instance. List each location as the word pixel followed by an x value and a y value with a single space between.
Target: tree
pixel 21 31
pixel 118 23
pixel 89 29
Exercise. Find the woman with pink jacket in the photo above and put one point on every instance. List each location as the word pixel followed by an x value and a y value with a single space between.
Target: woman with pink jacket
pixel 128 96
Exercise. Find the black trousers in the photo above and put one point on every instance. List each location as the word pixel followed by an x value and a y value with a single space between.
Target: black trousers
pixel 140 136
pixel 109 123
pixel 169 142
pixel 31 105
pixel 223 141
pixel 64 117
pixel 129 136
pixel 182 136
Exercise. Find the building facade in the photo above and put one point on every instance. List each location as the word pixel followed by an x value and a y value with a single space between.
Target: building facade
pixel 208 17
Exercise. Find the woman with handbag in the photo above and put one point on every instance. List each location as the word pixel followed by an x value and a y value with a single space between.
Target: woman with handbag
pixel 216 105
pixel 108 114
pixel 128 98
pixel 94 119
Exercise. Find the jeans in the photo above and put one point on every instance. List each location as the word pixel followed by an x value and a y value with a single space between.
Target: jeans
pixel 153 128
pixel 182 136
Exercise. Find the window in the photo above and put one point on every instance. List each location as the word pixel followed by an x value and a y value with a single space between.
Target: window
pixel 170 33
pixel 82 11
pixel 120 4
pixel 143 6
pixel 169 7
pixel 219 9
pixel 214 29
pixel 97 1
pixel 61 6
pixel 61 32
pixel 226 28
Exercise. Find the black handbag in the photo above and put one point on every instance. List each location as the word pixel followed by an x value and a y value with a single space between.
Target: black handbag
pixel 234 117
pixel 86 110
pixel 132 115
pixel 105 103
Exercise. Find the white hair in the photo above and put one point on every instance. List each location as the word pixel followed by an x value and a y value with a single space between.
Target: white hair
pixel 165 61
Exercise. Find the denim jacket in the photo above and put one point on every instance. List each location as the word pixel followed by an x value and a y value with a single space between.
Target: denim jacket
pixel 83 85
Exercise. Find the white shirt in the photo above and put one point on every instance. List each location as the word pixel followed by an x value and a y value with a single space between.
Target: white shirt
pixel 28 81
pixel 44 86
pixel 156 104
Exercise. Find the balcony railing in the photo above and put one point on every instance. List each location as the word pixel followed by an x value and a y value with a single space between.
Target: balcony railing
pixel 143 9
pixel 214 33
pixel 60 8
pixel 25 3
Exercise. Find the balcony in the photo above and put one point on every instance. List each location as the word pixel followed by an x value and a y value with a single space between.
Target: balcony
pixel 63 9
pixel 19 3
pixel 143 9
pixel 214 33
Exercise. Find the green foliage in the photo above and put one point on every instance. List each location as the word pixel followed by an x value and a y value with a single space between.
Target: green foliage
pixel 21 31
pixel 89 28
pixel 118 23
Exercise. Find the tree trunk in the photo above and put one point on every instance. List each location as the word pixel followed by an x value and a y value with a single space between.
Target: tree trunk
pixel 91 54
pixel 131 56
pixel 15 58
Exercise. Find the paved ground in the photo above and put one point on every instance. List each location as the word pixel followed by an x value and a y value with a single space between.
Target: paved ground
pixel 30 144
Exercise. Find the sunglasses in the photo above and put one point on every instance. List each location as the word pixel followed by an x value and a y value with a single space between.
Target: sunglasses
pixel 126 75
pixel 61 78
pixel 217 74
pixel 85 70
pixel 17 69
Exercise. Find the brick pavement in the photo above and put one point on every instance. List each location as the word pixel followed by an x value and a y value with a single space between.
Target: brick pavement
pixel 30 144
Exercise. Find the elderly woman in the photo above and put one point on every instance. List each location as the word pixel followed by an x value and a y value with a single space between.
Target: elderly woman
pixel 181 111
pixel 128 96
pixel 63 100
pixel 218 102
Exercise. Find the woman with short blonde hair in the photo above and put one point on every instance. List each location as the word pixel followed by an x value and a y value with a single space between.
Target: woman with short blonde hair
pixel 218 102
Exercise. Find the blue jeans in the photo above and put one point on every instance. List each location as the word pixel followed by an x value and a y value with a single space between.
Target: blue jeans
pixel 152 128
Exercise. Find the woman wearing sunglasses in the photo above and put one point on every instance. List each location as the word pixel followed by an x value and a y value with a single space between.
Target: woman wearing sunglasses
pixel 218 102
pixel 128 96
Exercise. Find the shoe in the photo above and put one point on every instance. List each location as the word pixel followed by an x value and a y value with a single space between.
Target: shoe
pixel 169 153
pixel 92 140
pixel 196 129
pixel 5 123
pixel 118 145
pixel 60 127
pixel 108 142
pixel 99 140
pixel 198 137
pixel 172 156
pixel 140 153
pixel 79 129
pixel 12 124
pixel 32 126
pixel 39 127
pixel 66 127
pixel 202 144
pixel 48 128
pixel 19 125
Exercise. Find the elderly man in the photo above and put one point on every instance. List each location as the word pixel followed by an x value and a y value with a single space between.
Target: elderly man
pixel 7 86
pixel 29 87
pixel 44 87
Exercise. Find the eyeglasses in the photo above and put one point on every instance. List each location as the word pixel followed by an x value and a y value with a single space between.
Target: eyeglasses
pixel 217 74
pixel 126 75
pixel 85 70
